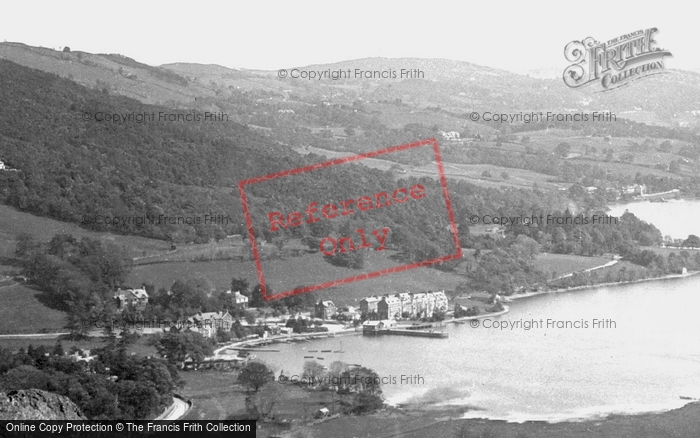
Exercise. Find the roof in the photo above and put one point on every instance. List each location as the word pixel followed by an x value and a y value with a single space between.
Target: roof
pixel 140 293
pixel 211 315
pixel 327 303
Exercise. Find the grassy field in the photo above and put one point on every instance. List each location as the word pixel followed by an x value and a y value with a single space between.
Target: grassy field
pixel 215 395
pixel 518 178
pixel 294 271
pixel 666 251
pixel 13 222
pixel 22 312
pixel 566 263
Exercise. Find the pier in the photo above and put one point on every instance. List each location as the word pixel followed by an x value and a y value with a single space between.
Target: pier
pixel 407 332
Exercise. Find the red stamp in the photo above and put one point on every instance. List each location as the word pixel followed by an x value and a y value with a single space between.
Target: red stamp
pixel 315 213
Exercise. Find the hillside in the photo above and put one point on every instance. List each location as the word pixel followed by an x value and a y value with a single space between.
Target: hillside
pixel 115 73
pixel 75 168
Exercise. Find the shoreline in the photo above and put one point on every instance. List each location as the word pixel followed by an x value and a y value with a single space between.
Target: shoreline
pixel 511 298
pixel 284 339
pixel 439 422
pixel 472 413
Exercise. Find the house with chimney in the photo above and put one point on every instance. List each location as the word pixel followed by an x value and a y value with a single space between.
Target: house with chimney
pixel 389 307
pixel 325 309
pixel 411 304
pixel 369 304
pixel 208 323
pixel 124 298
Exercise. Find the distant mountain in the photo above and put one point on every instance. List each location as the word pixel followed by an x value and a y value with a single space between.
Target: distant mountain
pixel 667 99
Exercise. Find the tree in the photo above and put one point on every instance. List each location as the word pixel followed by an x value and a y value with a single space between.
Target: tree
pixel 563 149
pixel 255 375
pixel 178 346
pixel 25 246
pixel 360 379
pixel 240 285
pixel 58 349
pixel 66 49
pixel 692 241
pixel 261 404
pixel 313 370
pixel 256 297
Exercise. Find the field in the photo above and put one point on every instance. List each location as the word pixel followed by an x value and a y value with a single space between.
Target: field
pixel 294 271
pixel 215 396
pixel 666 251
pixel 213 393
pixel 22 312
pixel 566 263
pixel 14 222
pixel 518 178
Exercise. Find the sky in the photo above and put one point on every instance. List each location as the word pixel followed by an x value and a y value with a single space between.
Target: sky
pixel 512 35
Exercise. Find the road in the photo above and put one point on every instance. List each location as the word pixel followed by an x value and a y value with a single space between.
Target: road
pixel 175 411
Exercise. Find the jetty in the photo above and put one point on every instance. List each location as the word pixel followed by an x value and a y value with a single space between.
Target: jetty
pixel 409 332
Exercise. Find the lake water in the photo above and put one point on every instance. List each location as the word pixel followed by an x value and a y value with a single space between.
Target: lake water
pixel 676 218
pixel 643 362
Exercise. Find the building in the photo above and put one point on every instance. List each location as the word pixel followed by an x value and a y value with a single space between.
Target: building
pixel 137 298
pixel 452 135
pixel 208 323
pixel 373 327
pixel 406 304
pixel 238 299
pixel 369 304
pixel 389 307
pixel 325 309
pixel 440 300
pixel 419 305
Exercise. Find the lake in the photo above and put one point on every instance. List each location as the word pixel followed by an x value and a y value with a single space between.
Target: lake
pixel 630 348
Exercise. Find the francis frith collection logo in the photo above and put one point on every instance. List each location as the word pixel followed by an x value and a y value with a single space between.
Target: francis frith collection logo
pixel 614 63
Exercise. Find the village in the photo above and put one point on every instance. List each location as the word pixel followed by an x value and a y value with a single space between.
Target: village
pixel 406 313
